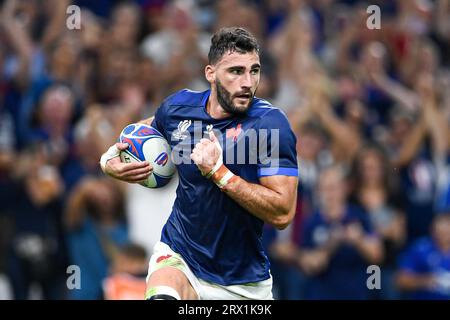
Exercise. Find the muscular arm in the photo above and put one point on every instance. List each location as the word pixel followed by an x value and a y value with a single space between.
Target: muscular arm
pixel 273 201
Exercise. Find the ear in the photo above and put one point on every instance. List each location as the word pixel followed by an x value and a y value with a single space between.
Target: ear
pixel 210 74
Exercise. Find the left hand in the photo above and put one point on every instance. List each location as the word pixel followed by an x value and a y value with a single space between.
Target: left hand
pixel 207 153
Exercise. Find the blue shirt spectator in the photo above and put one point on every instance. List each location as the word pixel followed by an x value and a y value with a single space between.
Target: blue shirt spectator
pixel 87 250
pixel 424 269
pixel 95 232
pixel 338 244
pixel 345 275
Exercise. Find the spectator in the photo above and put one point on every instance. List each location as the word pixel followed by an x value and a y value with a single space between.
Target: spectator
pixel 338 244
pixel 375 189
pixel 419 154
pixel 95 231
pixel 127 276
pixel 424 271
pixel 37 253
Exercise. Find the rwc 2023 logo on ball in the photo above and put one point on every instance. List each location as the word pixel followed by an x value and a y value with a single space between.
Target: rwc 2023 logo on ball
pixel 162 159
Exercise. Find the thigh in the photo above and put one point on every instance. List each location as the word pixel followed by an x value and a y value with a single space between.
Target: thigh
pixel 167 268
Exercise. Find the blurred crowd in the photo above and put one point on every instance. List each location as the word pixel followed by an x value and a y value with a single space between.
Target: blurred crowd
pixel 371 110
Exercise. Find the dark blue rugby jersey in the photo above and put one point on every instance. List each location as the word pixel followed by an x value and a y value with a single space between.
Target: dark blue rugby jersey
pixel 220 240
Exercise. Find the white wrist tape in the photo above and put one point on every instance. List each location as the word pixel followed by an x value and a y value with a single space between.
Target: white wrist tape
pixel 111 153
pixel 160 292
pixel 224 181
pixel 215 168
pixel 218 163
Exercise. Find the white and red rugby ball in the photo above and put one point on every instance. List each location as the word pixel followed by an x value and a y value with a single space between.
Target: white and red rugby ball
pixel 147 143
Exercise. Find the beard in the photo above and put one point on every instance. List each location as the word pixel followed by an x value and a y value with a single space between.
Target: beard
pixel 225 100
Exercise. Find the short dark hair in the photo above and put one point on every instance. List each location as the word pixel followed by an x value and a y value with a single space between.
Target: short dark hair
pixel 233 39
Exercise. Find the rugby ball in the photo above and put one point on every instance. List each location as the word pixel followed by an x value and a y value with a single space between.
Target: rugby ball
pixel 147 143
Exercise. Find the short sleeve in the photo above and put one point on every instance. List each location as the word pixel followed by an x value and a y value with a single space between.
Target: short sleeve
pixel 277 153
pixel 160 119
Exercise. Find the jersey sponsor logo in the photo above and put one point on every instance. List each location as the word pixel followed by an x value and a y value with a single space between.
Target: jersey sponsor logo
pixel 180 133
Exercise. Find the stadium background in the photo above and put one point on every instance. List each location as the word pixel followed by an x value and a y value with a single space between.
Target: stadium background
pixel 374 102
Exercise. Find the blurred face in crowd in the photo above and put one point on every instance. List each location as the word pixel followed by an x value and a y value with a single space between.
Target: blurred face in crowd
pixel 332 189
pixel 57 107
pixel 399 128
pixel 235 78
pixel 309 144
pixel 64 58
pixel 441 230
pixel 125 24
pixel 371 167
pixel 373 57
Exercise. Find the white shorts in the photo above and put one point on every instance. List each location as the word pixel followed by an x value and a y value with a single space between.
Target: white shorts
pixel 164 256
